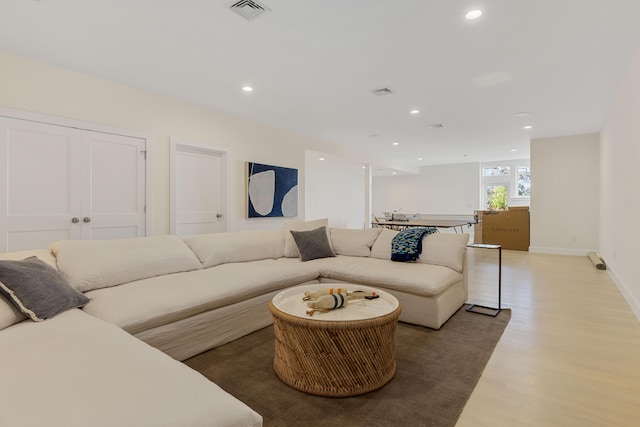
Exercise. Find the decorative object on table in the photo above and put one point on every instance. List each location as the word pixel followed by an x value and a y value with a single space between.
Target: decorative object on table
pixel 325 300
pixel 407 244
pixel 272 191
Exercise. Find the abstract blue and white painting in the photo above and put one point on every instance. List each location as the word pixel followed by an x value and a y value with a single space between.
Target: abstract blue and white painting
pixel 272 191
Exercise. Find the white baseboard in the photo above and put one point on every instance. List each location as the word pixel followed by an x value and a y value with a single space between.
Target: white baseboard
pixel 633 302
pixel 560 251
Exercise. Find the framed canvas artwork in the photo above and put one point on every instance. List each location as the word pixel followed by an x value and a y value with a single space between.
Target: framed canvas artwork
pixel 272 191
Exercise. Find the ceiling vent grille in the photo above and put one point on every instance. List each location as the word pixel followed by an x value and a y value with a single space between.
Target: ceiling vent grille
pixel 382 92
pixel 248 9
pixel 437 125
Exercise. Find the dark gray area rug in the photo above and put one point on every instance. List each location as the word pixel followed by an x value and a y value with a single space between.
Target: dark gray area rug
pixel 436 373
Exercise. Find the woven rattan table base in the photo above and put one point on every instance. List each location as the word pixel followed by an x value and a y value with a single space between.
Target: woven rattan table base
pixel 334 358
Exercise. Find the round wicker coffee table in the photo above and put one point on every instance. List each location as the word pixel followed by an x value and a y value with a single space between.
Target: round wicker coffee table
pixel 340 353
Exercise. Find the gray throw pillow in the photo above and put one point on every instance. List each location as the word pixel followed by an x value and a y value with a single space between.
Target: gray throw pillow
pixel 313 244
pixel 37 289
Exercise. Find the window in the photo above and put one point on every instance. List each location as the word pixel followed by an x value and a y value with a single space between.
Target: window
pixel 524 181
pixel 496 171
pixel 505 183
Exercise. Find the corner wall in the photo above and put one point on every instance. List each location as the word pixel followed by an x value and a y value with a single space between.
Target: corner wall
pixel 620 196
pixel 565 194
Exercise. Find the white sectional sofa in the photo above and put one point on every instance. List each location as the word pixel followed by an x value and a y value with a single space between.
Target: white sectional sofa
pixel 156 298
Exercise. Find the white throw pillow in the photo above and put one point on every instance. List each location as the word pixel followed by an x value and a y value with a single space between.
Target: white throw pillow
pixel 382 246
pixel 290 247
pixel 239 246
pixel 353 242
pixel 95 264
pixel 446 249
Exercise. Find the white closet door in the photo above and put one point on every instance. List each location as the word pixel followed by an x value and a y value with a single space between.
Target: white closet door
pixel 40 184
pixel 197 197
pixel 115 182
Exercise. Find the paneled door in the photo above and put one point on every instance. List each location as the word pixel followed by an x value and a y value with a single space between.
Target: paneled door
pixel 59 183
pixel 197 190
pixel 40 184
pixel 114 171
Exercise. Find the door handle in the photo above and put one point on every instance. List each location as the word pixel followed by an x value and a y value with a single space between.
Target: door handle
pixel 86 219
pixel 219 216
pixel 75 220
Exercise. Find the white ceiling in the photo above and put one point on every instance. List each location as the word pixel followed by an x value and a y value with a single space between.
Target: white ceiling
pixel 313 65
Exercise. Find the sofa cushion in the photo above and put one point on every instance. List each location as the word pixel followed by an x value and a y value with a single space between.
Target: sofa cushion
pixel 414 278
pixel 446 249
pixel 313 244
pixel 9 313
pixel 382 246
pixel 290 247
pixel 95 264
pixel 147 303
pixel 37 289
pixel 353 242
pixel 76 370
pixel 241 246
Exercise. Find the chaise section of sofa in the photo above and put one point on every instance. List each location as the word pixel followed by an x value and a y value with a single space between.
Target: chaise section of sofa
pixel 75 370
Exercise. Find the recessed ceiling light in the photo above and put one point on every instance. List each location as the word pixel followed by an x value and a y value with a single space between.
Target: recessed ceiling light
pixel 364 167
pixel 393 173
pixel 321 158
pixel 522 114
pixel 513 150
pixel 473 14
pixel 247 88
pixel 395 143
pixel 414 111
pixel 527 127
pixel 420 158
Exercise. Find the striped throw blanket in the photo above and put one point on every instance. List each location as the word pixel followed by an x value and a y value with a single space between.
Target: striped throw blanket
pixel 407 244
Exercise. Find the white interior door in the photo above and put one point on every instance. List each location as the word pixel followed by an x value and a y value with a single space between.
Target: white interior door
pixel 40 184
pixel 197 190
pixel 115 185
pixel 59 182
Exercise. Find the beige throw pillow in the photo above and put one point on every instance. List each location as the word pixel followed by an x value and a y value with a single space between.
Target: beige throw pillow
pixel 446 249
pixel 382 246
pixel 353 242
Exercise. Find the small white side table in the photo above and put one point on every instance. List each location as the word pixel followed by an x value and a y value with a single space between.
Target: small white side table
pixel 481 309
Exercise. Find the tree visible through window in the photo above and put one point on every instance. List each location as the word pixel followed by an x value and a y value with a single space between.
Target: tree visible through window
pixel 497 197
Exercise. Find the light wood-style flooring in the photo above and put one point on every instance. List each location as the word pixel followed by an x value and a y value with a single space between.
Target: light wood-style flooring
pixel 570 355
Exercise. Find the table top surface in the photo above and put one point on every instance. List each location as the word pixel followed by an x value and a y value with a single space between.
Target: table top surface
pixel 443 223
pixel 290 301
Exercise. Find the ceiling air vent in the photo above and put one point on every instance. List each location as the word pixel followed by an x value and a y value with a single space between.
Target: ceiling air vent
pixel 437 125
pixel 382 92
pixel 248 9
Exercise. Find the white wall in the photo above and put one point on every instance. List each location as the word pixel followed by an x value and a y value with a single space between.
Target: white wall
pixel 619 183
pixel 37 87
pixel 565 194
pixel 447 190
pixel 335 190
